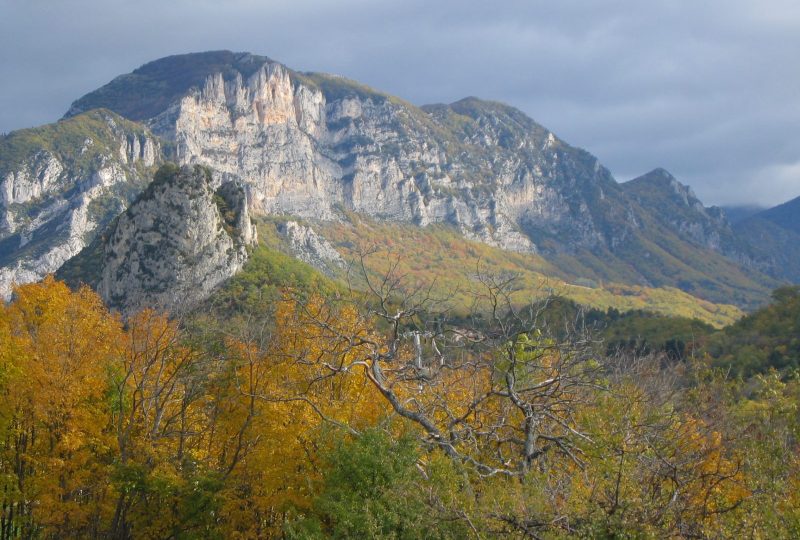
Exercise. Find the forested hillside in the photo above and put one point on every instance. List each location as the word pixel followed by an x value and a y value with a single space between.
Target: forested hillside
pixel 374 415
pixel 766 339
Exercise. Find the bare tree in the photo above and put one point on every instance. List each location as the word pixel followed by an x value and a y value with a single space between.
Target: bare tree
pixel 491 389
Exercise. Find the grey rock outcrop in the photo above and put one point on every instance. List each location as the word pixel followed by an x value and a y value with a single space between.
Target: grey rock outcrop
pixel 181 239
pixel 311 248
pixel 38 176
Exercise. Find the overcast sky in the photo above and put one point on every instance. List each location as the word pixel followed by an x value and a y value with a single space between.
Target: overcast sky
pixel 709 90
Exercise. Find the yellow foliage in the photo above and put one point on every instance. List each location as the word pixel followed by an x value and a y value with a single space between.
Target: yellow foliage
pixel 61 348
pixel 144 430
pixel 275 419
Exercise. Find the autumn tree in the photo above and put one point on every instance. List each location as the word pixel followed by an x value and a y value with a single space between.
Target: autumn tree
pixel 58 352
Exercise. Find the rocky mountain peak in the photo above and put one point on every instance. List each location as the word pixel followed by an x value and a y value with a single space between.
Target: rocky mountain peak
pixel 158 84
pixel 663 182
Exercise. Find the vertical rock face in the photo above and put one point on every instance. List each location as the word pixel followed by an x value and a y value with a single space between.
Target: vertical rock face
pixel 261 131
pixel 176 243
pixel 307 144
pixel 35 178
pixel 63 183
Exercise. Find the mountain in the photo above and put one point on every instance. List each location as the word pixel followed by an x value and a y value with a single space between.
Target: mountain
pixel 307 143
pixel 319 146
pixel 773 237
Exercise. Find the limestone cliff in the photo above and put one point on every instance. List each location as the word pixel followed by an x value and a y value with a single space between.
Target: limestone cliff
pixel 180 239
pixel 309 144
pixel 311 248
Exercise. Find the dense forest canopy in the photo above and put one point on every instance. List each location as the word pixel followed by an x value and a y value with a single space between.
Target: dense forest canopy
pixel 373 415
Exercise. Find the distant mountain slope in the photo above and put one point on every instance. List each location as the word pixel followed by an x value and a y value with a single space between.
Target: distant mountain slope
pixel 735 214
pixel 786 215
pixel 773 236
pixel 437 254
pixel 678 208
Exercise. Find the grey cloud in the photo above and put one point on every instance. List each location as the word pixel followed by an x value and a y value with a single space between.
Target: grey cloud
pixel 707 90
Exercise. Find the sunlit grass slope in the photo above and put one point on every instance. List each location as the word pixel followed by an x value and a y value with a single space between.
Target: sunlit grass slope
pixel 441 256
